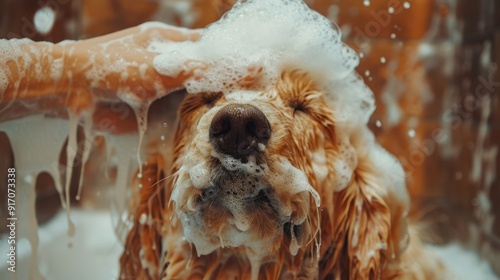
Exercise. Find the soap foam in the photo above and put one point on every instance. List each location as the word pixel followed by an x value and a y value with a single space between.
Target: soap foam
pixel 30 160
pixel 199 175
pixel 286 176
pixel 141 113
pixel 271 36
pixel 231 163
pixel 121 152
pixel 13 51
pixel 344 164
pixel 56 69
pixel 242 219
pixel 87 145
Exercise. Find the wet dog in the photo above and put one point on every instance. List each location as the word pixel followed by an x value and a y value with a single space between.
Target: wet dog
pixel 270 185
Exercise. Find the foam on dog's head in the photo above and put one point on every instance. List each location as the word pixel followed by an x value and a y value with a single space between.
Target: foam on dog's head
pixel 272 35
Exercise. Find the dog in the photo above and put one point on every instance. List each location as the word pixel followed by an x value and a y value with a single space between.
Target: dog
pixel 251 191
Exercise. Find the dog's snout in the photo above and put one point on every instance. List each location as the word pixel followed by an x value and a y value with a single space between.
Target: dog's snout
pixel 239 130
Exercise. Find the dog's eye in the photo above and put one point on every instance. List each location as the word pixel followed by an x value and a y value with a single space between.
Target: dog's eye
pixel 296 105
pixel 210 98
pixel 199 101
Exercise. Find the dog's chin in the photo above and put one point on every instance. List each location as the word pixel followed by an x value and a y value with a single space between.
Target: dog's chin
pixel 241 208
pixel 259 225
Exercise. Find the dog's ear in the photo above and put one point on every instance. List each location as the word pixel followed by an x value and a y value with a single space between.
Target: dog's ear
pixel 361 228
pixel 143 242
pixel 369 217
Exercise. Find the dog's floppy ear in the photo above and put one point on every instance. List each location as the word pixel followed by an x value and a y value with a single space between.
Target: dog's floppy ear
pixel 143 242
pixel 361 228
pixel 369 223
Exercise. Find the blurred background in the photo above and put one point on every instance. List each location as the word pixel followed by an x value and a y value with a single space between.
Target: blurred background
pixel 432 65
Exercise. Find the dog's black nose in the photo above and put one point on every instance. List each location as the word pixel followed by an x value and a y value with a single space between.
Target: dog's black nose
pixel 239 130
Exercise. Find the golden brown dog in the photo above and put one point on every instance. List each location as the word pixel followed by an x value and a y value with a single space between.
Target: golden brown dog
pixel 240 198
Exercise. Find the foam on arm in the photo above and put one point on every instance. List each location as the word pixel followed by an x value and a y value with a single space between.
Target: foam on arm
pixel 41 77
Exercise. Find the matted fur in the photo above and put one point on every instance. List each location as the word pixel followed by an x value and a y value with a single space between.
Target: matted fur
pixel 357 233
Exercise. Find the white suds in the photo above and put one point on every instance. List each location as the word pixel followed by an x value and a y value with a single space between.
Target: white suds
pixel 87 146
pixel 257 40
pixel 30 160
pixel 345 163
pixel 199 175
pixel 141 114
pixel 123 147
pixel 391 173
pixel 250 167
pixel 291 178
pixel 71 150
pixel 319 164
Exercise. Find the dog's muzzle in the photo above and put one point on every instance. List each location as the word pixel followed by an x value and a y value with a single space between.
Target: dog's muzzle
pixel 233 191
pixel 239 130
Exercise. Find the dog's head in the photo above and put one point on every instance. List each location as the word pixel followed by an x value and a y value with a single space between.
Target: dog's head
pixel 248 165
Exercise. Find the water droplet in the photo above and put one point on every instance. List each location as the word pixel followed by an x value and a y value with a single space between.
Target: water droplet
pixel 393 36
pixel 366 3
pixel 367 73
pixel 378 123
pixel 411 133
pixel 382 59
pixel 28 179
pixel 162 138
pixel 143 218
pixel 164 124
pixel 44 20
pixel 139 175
pixel 361 55
pixel 391 10
pixel 406 5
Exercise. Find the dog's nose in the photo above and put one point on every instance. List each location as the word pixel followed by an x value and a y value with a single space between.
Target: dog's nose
pixel 239 130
